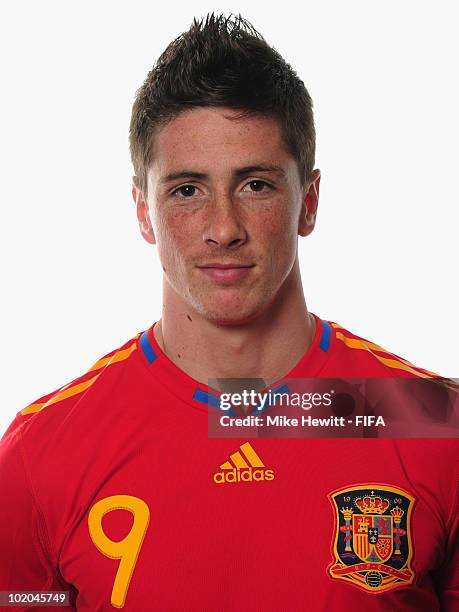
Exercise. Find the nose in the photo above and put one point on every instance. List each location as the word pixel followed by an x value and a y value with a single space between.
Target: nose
pixel 224 227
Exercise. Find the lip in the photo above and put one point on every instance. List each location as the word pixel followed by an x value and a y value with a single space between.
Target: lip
pixel 224 266
pixel 226 273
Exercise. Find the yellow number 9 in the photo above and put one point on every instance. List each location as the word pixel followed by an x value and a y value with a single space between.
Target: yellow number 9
pixel 126 549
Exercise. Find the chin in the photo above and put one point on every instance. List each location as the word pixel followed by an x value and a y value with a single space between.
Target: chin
pixel 226 315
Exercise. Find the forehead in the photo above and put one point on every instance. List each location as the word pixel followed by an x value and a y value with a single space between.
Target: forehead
pixel 207 137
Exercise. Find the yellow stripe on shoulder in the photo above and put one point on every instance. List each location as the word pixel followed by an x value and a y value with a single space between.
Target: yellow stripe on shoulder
pixel 75 387
pixel 117 356
pixel 371 345
pixel 392 361
pixel 61 395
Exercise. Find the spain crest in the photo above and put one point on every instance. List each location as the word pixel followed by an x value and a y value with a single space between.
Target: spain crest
pixel 372 543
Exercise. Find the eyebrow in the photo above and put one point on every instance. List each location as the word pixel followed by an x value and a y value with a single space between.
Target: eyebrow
pixel 190 174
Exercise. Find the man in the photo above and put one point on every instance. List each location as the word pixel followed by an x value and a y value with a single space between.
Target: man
pixel 112 487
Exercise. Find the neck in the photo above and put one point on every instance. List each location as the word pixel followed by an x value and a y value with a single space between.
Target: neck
pixel 267 347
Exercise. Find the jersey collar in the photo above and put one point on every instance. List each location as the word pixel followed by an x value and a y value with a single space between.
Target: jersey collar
pixel 200 395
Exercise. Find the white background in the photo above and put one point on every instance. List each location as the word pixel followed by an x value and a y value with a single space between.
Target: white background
pixel 77 278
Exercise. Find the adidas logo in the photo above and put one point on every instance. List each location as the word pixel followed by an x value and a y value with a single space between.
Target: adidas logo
pixel 244 466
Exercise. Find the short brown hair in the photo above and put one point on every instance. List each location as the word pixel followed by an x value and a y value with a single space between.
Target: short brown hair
pixel 222 62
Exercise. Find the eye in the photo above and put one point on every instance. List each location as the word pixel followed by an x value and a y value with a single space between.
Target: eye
pixel 257 186
pixel 185 191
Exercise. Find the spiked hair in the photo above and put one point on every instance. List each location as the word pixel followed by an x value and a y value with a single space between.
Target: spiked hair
pixel 222 62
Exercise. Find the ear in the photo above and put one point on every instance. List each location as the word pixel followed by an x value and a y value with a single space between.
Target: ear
pixel 309 204
pixel 143 215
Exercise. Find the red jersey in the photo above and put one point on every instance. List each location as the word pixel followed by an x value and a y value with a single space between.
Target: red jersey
pixel 112 489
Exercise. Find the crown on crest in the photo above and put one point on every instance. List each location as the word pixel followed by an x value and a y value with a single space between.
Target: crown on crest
pixel 372 504
pixel 347 513
pixel 397 513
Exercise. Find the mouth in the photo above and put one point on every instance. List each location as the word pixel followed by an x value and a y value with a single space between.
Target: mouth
pixel 226 273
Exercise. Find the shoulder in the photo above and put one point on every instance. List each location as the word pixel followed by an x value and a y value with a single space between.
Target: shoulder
pixel 57 403
pixel 414 401
pixel 365 357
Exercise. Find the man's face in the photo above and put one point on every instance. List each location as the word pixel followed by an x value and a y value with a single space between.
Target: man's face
pixel 225 207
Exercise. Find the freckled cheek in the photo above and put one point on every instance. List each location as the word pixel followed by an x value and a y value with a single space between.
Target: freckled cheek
pixel 176 236
pixel 274 227
pixel 275 233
